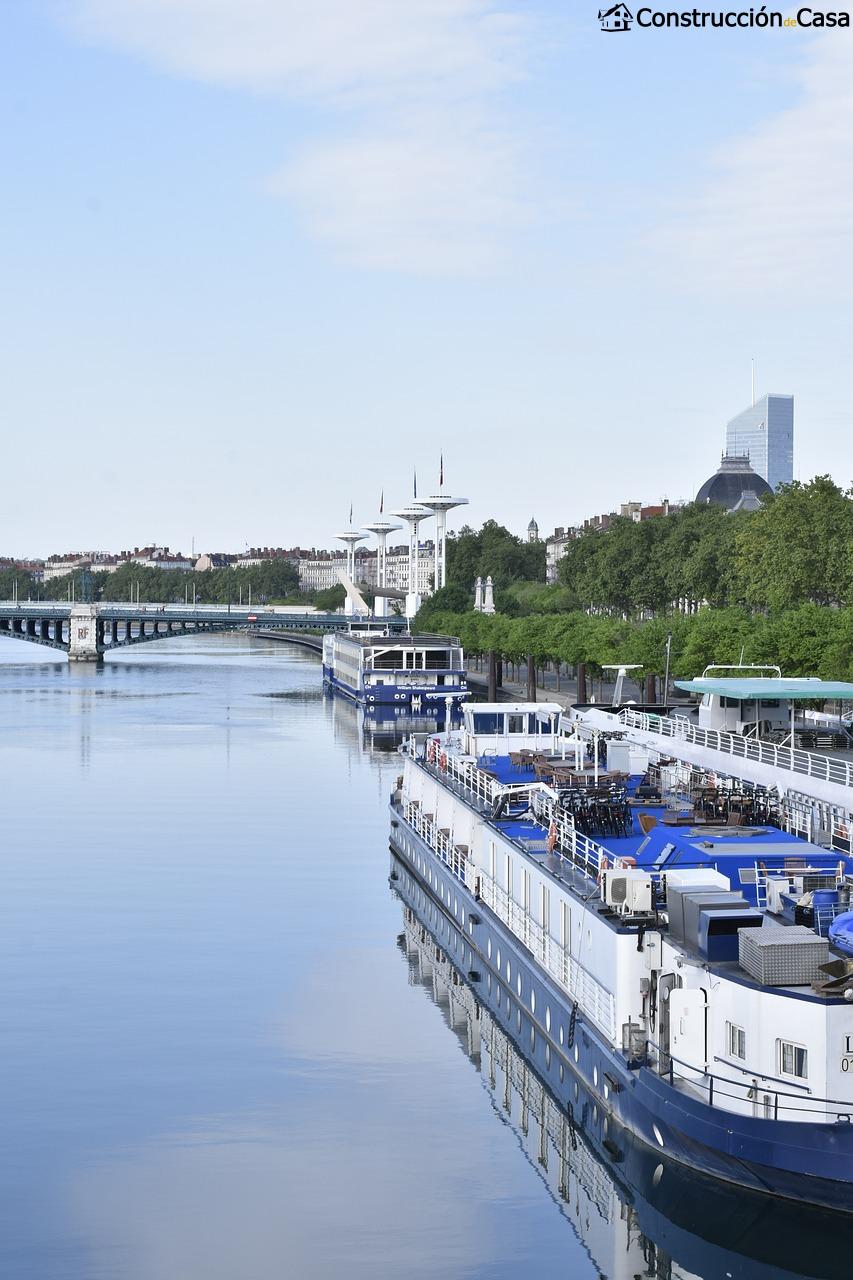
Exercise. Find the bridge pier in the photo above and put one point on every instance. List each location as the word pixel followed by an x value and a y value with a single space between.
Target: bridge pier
pixel 83 634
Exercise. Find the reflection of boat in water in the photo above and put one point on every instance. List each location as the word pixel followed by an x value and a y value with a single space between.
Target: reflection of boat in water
pixel 385 727
pixel 637 1214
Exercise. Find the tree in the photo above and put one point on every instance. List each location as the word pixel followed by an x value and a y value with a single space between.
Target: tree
pixel 492 552
pixel 797 547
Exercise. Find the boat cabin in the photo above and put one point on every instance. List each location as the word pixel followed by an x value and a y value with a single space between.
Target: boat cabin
pixel 761 706
pixel 497 728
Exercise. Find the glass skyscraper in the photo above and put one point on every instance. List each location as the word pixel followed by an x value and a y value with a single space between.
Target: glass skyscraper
pixel 765 432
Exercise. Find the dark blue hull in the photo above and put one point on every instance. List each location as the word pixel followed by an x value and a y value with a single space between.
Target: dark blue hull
pixel 807 1163
pixel 396 695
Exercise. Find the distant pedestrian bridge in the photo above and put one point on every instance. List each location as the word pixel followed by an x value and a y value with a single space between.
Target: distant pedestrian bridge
pixel 85 632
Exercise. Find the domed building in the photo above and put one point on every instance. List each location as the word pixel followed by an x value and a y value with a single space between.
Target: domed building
pixel 734 485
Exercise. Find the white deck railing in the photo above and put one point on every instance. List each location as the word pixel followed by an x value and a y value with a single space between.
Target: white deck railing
pixel 804 763
pixel 595 1001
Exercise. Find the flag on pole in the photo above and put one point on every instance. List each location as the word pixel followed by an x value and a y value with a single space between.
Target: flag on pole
pixel 441 474
pixel 350 515
pixel 382 502
pixel 415 486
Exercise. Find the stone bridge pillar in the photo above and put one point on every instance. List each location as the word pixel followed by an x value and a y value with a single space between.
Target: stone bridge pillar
pixel 83 632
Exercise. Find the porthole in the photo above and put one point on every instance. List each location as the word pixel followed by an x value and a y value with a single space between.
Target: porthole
pixel 532 1038
pixel 498 960
pixel 455 905
pixel 518 1019
pixel 656 1131
pixel 547 1055
pixel 595 1115
pixel 489 948
pixel 595 1076
pixel 577 1091
pixel 498 997
pixel 518 985
pixel 489 983
pixel 562 1073
pixel 577 1055
pixel 606 1091
pixel 657 1175
pixel 532 1000
pixel 508 972
pixel 547 1017
pixel 562 1034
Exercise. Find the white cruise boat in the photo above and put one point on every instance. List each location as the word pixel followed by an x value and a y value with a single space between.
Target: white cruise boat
pixel 665 924
pixel 395 669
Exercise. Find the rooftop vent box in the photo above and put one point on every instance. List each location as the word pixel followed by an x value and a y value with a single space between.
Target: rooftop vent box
pixel 628 891
pixel 719 932
pixel 676 897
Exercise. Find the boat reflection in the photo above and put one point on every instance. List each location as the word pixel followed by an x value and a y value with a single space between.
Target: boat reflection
pixel 383 730
pixel 636 1214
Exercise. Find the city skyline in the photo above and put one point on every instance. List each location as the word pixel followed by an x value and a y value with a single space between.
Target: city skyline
pixel 260 258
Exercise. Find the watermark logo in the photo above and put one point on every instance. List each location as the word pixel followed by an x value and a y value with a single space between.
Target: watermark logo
pixel 618 18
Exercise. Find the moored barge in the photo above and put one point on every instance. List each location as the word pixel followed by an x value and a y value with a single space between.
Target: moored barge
pixel 674 961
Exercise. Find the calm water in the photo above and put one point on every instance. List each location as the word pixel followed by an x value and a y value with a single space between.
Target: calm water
pixel 215 1057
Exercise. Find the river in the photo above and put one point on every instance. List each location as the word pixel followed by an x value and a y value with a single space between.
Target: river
pixel 216 1057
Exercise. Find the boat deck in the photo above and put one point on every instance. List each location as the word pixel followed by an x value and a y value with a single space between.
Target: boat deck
pixel 670 838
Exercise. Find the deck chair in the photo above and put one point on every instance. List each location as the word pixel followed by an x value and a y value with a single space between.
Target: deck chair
pixel 647 821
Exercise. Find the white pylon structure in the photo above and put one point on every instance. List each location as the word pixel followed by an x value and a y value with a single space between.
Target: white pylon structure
pixel 413 515
pixel 478 596
pixel 440 504
pixel 489 596
pixel 381 528
pixel 351 537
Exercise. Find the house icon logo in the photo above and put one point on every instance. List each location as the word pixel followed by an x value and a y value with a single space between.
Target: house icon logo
pixel 618 18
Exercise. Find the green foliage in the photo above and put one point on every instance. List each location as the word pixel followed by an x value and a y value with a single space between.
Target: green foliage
pixel 495 552
pixel 797 548
pixel 26 585
pixel 812 640
pixel 331 599
pixel 272 580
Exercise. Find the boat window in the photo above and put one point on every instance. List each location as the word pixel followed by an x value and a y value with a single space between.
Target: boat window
pixel 736 1041
pixel 793 1060
pixel 516 723
pixel 769 703
pixel 488 721
pixel 729 702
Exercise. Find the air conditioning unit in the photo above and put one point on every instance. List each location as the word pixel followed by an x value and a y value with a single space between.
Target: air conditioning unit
pixel 628 891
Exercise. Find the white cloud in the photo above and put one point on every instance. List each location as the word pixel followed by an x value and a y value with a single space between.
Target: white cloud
pixel 422 173
pixel 421 197
pixel 775 213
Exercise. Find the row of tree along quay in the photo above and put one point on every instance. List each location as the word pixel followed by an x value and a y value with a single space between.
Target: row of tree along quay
pixel 272 580
pixel 775 585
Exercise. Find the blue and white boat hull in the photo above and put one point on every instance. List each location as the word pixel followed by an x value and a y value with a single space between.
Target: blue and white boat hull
pixel 809 1163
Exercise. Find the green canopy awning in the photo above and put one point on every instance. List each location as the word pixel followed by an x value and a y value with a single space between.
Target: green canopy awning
pixel 769 687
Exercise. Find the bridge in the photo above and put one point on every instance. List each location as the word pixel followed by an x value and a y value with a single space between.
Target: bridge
pixel 86 632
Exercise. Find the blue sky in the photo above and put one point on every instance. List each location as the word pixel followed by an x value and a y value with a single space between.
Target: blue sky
pixel 262 259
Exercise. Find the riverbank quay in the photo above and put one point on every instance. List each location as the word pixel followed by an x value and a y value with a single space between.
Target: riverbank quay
pixel 478 680
pixel 304 640
pixel 545 687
